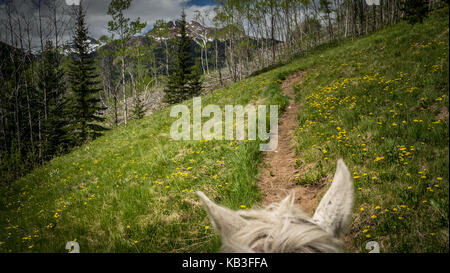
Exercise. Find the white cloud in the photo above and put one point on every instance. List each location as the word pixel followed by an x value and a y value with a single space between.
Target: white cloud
pixel 73 2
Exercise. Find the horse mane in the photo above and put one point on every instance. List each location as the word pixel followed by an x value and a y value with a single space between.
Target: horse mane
pixel 280 228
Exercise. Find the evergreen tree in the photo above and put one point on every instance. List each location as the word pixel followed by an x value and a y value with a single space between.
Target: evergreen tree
pixel 86 110
pixel 195 83
pixel 53 88
pixel 139 109
pixel 184 81
pixel 415 10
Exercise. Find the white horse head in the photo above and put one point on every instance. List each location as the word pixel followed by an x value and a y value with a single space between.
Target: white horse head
pixel 282 227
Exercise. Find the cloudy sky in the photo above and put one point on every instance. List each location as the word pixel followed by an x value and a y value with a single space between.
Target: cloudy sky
pixel 96 18
pixel 148 10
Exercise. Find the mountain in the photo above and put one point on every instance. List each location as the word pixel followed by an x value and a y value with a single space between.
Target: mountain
pixel 201 36
pixel 9 55
pixel 68 48
pixel 194 30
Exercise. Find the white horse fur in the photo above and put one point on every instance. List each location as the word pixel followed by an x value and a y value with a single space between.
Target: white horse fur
pixel 282 227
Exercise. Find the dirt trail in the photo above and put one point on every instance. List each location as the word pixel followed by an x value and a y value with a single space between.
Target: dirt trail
pixel 278 168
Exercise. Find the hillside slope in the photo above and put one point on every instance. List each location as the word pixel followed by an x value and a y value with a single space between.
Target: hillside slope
pixel 381 103
pixel 132 190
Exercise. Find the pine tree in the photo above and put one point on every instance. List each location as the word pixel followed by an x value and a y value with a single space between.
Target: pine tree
pixel 139 109
pixel 415 10
pixel 184 81
pixel 195 83
pixel 86 110
pixel 51 83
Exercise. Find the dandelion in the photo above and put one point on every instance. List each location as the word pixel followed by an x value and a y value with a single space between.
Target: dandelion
pixel 206 227
pixel 373 216
pixel 361 209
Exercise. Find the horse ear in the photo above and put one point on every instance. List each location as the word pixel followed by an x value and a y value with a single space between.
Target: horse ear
pixel 334 213
pixel 287 203
pixel 224 220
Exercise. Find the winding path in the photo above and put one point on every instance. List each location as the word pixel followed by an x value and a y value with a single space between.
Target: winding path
pixel 278 167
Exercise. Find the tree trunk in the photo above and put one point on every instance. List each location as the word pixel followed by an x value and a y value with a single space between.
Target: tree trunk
pixel 167 58
pixel 272 34
pixel 116 118
pixel 30 124
pixel 124 91
pixel 374 19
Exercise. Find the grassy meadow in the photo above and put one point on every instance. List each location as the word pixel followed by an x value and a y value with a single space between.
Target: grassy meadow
pixel 379 102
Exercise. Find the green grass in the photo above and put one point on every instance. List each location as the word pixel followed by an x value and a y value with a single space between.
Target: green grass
pixel 381 103
pixel 133 190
